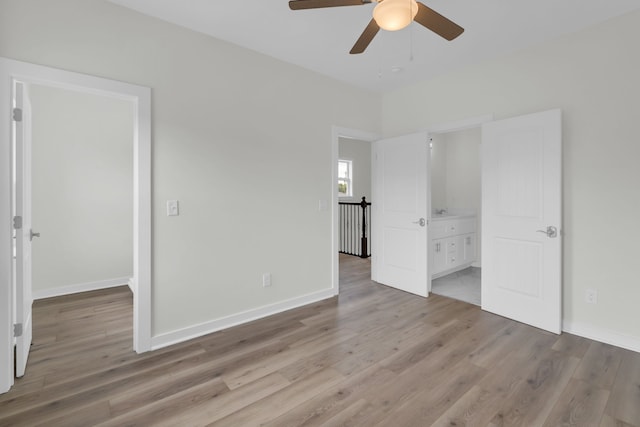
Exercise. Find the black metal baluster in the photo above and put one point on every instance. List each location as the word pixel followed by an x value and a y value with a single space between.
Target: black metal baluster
pixel 363 248
pixel 354 228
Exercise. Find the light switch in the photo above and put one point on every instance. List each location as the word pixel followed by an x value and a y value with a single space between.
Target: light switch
pixel 266 280
pixel 322 205
pixel 172 208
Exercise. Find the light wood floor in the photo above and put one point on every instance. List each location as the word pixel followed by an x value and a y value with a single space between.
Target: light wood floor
pixel 372 357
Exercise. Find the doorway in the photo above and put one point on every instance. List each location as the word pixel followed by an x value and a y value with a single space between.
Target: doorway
pixel 13 72
pixel 355 139
pixel 82 191
pixel 456 203
pixel 354 195
pixel 81 149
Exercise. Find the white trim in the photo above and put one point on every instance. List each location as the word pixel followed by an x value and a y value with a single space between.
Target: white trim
pixel 604 335
pixel 80 287
pixel 141 97
pixel 338 132
pixel 190 332
pixel 130 283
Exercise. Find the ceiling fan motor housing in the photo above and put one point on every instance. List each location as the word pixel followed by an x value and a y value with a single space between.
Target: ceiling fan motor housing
pixel 394 15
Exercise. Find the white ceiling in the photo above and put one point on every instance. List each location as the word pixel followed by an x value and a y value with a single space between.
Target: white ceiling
pixel 320 39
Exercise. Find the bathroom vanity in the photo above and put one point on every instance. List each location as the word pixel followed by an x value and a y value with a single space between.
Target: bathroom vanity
pixel 453 243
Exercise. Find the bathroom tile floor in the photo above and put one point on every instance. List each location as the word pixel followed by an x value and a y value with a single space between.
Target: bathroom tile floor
pixel 463 285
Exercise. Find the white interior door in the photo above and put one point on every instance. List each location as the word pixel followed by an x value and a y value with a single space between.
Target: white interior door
pixel 23 294
pixel 400 213
pixel 521 219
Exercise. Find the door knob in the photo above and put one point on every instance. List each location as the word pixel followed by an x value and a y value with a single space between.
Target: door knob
pixel 551 231
pixel 420 222
pixel 32 234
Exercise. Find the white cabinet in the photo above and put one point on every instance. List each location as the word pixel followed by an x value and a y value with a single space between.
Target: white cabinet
pixel 439 248
pixel 453 244
pixel 469 247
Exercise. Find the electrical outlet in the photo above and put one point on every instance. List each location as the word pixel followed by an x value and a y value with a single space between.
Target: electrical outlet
pixel 591 296
pixel 266 280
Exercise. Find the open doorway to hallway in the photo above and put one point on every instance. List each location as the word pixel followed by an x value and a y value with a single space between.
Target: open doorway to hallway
pixel 354 198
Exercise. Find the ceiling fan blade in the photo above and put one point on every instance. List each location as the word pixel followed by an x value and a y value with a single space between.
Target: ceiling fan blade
pixel 365 38
pixel 316 4
pixel 437 23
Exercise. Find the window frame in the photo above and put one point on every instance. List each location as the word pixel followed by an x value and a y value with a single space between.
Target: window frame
pixel 348 180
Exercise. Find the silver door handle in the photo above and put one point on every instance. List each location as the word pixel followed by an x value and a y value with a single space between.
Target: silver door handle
pixel 551 231
pixel 421 222
pixel 32 234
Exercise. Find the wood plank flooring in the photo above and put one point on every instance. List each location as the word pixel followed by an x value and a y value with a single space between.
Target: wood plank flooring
pixel 374 356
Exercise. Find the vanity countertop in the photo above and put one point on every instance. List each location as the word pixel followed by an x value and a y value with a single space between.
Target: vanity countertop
pixel 439 217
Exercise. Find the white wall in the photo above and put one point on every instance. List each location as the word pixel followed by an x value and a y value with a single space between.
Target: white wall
pixel 438 171
pixel 242 140
pixel 463 170
pixel 593 77
pixel 82 189
pixel 359 152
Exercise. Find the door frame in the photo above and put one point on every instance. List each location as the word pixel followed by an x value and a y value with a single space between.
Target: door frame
pixel 140 96
pixel 442 128
pixel 338 132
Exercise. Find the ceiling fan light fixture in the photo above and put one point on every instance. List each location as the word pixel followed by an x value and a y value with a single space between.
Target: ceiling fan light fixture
pixel 394 15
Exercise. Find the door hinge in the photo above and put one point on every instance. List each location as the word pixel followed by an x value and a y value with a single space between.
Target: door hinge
pixel 17 330
pixel 17 222
pixel 17 114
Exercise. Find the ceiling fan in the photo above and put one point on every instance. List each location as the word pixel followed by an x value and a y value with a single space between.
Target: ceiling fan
pixel 390 15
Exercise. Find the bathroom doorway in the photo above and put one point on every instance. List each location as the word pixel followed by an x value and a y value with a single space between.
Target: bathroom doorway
pixel 456 202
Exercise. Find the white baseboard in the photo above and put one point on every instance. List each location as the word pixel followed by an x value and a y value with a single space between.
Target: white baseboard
pixel 185 334
pixel 452 270
pixel 606 336
pixel 80 287
pixel 130 284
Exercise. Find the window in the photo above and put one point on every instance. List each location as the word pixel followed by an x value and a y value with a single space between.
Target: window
pixel 345 182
